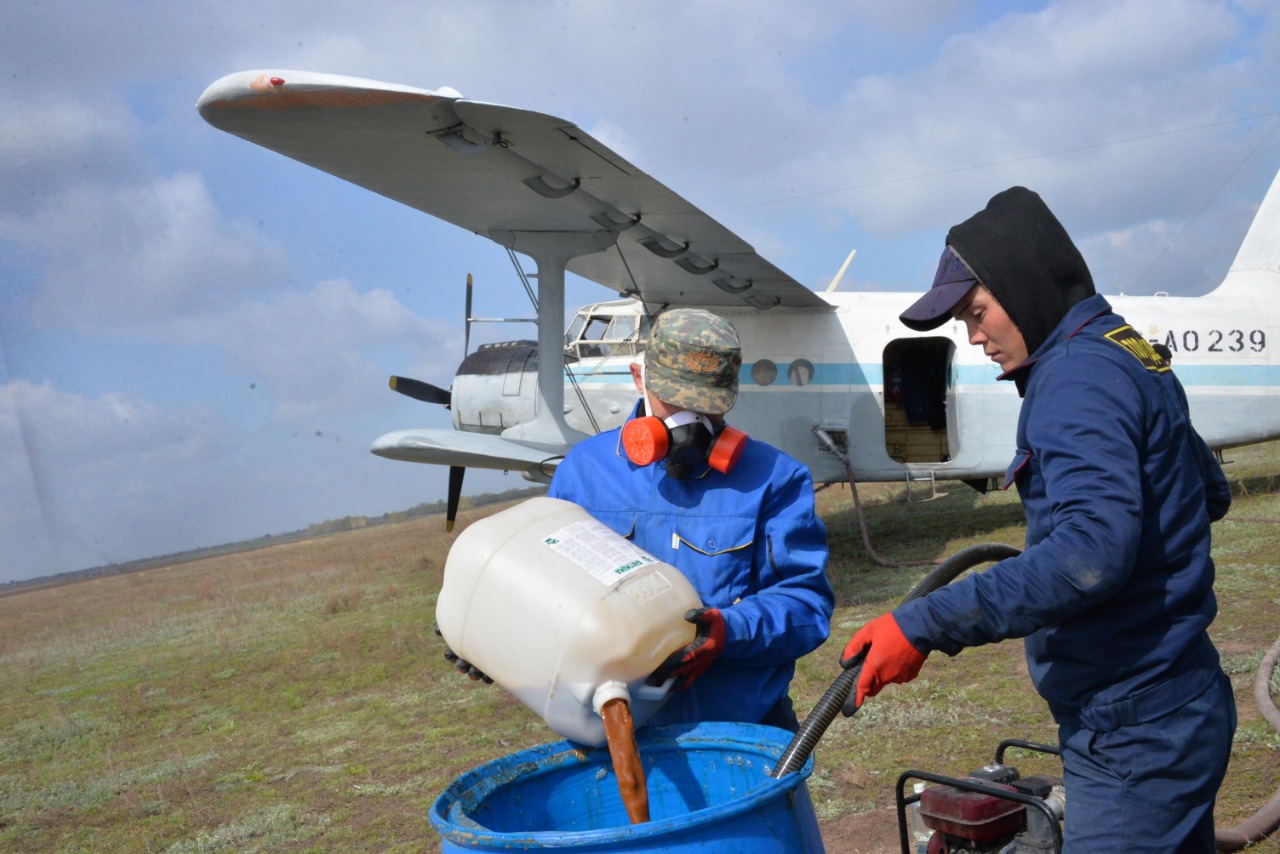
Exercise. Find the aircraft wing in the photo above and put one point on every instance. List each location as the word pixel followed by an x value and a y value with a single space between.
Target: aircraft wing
pixel 495 170
pixel 471 450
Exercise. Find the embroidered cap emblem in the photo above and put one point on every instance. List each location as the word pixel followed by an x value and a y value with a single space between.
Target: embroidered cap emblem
pixel 702 361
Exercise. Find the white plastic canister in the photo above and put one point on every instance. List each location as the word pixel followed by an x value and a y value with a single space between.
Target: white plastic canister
pixel 564 613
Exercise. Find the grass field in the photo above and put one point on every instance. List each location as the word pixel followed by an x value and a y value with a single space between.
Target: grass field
pixel 295 698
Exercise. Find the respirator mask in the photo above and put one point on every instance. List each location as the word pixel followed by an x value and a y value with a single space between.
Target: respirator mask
pixel 683 441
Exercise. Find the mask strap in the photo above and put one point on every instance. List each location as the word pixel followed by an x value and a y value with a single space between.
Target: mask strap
pixel 644 392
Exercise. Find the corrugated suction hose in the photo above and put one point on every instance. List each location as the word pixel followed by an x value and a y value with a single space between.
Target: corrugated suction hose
pixel 824 712
pixel 1262 823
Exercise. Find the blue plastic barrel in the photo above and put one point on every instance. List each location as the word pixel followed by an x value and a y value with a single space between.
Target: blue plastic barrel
pixel 709 789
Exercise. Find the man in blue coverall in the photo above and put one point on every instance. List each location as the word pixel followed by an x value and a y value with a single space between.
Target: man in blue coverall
pixel 1114 591
pixel 734 514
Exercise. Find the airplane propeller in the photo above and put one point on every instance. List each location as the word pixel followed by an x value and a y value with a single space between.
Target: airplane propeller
pixel 456 472
pixel 455 494
pixel 428 393
pixel 466 338
pixel 419 390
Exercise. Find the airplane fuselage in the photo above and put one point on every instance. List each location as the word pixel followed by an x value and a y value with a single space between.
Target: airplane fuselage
pixel 902 405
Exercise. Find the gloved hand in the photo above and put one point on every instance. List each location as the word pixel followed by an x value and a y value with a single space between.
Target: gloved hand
pixel 464 667
pixel 885 655
pixel 690 662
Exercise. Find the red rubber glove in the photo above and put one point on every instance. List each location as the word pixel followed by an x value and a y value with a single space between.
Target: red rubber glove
pixel 890 657
pixel 690 662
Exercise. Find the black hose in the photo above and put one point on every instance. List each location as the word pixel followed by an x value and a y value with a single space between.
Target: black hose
pixel 830 444
pixel 1264 822
pixel 831 702
pixel 949 570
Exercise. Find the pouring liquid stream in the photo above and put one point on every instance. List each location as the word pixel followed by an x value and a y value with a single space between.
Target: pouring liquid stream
pixel 620 731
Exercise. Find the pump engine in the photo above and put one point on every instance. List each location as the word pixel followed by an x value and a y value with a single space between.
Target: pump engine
pixel 992 810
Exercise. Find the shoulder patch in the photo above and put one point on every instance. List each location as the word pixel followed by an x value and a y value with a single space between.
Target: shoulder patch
pixel 1138 347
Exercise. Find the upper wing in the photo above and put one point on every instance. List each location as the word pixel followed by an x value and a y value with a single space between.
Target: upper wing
pixel 472 450
pixel 494 170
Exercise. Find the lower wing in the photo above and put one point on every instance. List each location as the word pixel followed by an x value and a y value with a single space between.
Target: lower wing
pixel 471 450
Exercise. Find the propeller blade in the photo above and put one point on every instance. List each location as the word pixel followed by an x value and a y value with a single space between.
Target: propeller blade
pixel 466 340
pixel 418 390
pixel 455 494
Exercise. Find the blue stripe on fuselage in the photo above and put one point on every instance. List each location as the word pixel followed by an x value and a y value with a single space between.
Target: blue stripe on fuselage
pixel 845 374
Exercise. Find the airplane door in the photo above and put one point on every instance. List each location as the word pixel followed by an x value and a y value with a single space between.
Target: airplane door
pixel 917 400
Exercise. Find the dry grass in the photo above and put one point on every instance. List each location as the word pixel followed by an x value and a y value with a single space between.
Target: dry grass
pixel 295 698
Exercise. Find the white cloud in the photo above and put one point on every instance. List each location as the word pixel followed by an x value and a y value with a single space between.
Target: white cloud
pixel 920 148
pixel 139 254
pixel 85 471
pixel 325 351
pixel 51 138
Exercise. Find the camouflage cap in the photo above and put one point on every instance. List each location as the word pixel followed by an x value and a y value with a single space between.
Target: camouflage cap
pixel 692 361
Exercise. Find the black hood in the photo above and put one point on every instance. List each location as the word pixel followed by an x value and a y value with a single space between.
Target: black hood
pixel 1019 250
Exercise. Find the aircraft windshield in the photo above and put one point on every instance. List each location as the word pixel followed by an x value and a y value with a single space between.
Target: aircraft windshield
pixel 596 335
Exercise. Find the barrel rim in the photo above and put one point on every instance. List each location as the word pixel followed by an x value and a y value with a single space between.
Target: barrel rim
pixel 767 742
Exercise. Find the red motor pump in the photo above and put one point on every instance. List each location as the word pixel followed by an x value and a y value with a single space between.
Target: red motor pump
pixel 993 809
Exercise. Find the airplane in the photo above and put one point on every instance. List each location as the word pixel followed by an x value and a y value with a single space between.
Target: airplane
pixel 832 378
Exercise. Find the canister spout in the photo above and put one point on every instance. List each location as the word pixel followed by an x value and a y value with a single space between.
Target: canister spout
pixel 611 690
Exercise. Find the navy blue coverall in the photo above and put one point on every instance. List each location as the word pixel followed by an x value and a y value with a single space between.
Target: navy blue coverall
pixel 1114 592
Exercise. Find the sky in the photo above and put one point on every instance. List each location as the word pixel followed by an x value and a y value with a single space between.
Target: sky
pixel 196 333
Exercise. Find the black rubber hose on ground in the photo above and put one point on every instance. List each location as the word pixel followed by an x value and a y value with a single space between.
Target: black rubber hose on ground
pixel 824 712
pixel 830 444
pixel 1262 823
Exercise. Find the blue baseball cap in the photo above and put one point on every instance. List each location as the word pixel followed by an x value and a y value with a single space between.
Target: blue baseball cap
pixel 953 280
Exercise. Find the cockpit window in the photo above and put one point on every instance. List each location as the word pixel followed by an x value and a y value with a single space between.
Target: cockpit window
pixel 596 329
pixel 596 335
pixel 575 327
pixel 623 327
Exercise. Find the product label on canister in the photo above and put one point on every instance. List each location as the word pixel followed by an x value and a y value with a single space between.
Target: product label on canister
pixel 597 548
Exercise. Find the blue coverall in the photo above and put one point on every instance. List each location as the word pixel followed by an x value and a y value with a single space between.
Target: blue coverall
pixel 751 544
pixel 1114 592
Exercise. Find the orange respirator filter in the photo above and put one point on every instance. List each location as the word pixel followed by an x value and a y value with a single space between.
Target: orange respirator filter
pixel 727 449
pixel 645 440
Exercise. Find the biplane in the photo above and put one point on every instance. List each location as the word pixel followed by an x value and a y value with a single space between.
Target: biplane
pixel 830 377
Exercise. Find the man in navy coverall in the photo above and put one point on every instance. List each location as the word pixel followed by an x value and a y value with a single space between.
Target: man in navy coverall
pixel 1114 591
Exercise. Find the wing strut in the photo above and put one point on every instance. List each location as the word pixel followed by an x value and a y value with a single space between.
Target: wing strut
pixel 551 251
